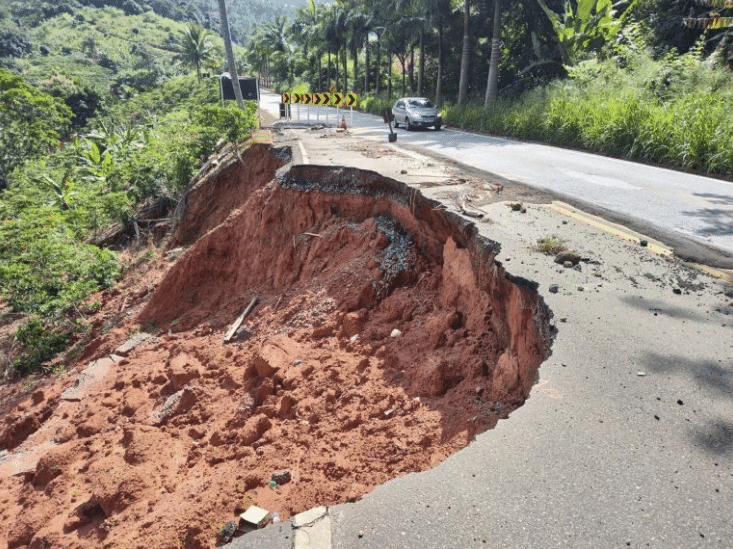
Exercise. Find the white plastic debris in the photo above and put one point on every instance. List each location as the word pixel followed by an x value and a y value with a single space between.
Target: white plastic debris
pixel 255 516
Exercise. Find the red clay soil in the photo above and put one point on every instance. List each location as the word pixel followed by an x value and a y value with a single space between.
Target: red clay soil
pixel 385 337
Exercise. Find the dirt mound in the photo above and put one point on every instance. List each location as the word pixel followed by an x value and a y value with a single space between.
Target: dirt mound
pixel 384 338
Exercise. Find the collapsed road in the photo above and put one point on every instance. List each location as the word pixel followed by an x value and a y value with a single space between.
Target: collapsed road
pixel 385 336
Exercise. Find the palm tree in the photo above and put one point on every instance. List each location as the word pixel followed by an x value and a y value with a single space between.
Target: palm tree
pixel 276 41
pixel 306 32
pixel 257 56
pixel 463 82
pixel 335 35
pixel 439 18
pixel 197 47
pixel 225 34
pixel 492 82
pixel 400 37
pixel 358 24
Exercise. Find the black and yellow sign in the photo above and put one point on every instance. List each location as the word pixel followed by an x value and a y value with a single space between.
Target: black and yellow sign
pixel 336 99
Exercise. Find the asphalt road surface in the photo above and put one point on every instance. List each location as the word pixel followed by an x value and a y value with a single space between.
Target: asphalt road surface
pixel 626 440
pixel 690 213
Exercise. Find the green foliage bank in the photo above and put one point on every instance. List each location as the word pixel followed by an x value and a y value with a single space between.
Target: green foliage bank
pixel 674 110
pixel 60 199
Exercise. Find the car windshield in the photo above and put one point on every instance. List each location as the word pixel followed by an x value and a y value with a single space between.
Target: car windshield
pixel 421 103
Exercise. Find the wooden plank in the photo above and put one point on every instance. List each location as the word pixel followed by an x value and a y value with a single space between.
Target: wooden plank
pixel 240 319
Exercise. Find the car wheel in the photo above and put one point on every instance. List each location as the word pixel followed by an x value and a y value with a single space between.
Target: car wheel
pixel 396 124
pixel 437 127
pixel 408 124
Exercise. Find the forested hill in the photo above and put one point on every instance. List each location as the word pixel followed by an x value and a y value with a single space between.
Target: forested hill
pixel 243 14
pixel 104 115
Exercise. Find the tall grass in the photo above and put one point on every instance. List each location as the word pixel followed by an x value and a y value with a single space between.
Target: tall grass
pixel 676 111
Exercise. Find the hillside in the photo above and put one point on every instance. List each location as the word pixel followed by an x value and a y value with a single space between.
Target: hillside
pixel 242 13
pixel 98 48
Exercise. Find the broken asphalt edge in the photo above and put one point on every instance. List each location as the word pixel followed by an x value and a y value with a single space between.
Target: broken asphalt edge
pixel 695 253
pixel 610 222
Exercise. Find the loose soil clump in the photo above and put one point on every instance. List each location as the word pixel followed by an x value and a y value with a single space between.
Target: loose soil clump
pixel 385 337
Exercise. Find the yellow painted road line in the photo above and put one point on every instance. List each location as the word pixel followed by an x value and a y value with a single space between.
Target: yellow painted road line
pixel 572 213
pixel 722 275
pixel 304 154
pixel 569 211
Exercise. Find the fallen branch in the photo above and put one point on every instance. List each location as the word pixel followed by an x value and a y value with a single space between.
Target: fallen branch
pixel 464 211
pixel 240 319
pixel 463 208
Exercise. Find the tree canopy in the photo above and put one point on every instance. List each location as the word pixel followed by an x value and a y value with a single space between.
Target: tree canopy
pixel 31 122
pixel 198 48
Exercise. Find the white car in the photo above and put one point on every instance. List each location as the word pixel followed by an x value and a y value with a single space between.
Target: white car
pixel 416 112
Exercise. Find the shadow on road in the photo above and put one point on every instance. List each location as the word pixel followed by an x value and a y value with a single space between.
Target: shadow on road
pixel 706 373
pixel 716 435
pixel 663 308
pixel 719 220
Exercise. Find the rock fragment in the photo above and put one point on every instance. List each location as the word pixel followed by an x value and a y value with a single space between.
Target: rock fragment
pixel 176 404
pixel 226 533
pixel 281 477
pixel 567 257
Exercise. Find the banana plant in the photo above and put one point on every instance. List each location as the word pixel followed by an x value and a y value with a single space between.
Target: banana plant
pixel 587 27
pixel 62 191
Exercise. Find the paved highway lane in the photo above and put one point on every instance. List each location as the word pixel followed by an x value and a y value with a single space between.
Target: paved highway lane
pixel 680 209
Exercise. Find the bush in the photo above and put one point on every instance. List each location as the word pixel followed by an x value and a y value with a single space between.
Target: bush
pixel 13 44
pixel 130 7
pixel 44 269
pixel 375 104
pixel 39 344
pixel 227 121
pixel 31 122
pixel 106 63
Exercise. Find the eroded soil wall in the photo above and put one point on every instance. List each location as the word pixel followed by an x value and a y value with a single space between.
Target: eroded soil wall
pixel 385 337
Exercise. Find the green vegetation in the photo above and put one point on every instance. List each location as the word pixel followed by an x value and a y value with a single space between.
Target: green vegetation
pixel 549 245
pixel 674 110
pixel 40 344
pixel 586 27
pixel 58 204
pixel 142 126
pixel 198 49
pixel 31 122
